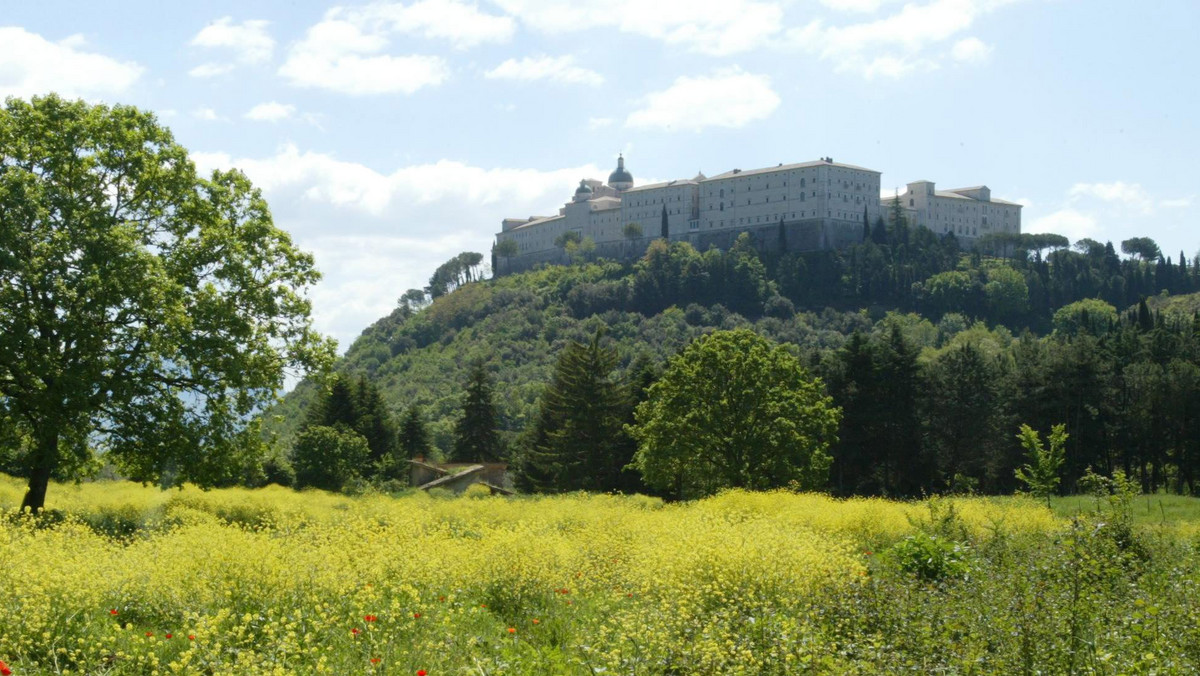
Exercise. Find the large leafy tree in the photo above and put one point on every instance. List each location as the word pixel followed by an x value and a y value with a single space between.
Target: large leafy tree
pixel 734 410
pixel 144 310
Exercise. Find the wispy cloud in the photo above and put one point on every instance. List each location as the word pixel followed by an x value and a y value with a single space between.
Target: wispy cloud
pixel 560 69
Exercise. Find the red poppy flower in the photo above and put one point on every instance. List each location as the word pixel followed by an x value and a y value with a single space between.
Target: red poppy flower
pixel 374 660
pixel 370 618
pixel 512 630
pixel 536 621
pixel 169 635
pixel 191 637
pixel 355 631
pixel 8 672
pixel 420 672
pixel 416 616
pixel 148 634
pixel 113 611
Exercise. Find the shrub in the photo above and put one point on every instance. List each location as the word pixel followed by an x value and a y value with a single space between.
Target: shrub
pixel 328 457
pixel 928 557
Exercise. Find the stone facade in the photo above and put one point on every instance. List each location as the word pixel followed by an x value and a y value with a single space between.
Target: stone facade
pixel 807 206
pixel 969 213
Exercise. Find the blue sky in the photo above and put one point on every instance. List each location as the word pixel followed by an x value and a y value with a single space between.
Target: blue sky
pixel 389 136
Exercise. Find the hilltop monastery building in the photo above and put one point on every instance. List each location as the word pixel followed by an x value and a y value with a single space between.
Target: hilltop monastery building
pixel 802 207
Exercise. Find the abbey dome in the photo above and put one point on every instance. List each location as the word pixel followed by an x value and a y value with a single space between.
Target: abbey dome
pixel 620 179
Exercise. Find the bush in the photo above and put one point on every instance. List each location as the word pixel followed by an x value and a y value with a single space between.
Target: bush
pixel 328 457
pixel 928 557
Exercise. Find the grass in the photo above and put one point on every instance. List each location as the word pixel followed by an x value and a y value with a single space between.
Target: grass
pixel 1148 509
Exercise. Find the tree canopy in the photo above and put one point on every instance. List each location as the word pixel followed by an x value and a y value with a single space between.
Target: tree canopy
pixel 734 410
pixel 145 311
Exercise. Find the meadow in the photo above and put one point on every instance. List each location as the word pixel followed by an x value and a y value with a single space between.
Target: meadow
pixel 124 579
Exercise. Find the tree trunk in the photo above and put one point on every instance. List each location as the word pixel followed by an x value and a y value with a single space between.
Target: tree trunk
pixel 39 476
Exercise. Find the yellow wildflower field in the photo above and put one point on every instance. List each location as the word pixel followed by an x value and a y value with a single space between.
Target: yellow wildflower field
pixel 125 579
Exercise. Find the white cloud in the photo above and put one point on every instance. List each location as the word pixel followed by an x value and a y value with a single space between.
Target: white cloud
pixel 249 40
pixel 206 114
pixel 853 5
pixel 211 69
pixel 1180 203
pixel 560 69
pixel 1131 195
pixel 463 25
pixel 32 65
pixel 599 122
pixel 1070 223
pixel 718 27
pixel 900 43
pixel 392 227
pixel 971 50
pixel 271 111
pixel 342 55
pixel 728 98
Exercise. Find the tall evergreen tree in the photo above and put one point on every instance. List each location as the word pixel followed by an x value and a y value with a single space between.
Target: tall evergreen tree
pixel 964 419
pixel 666 232
pixel 475 436
pixel 904 467
pixel 578 441
pixel 414 434
pixel 357 407
pixel 338 406
pixel 374 422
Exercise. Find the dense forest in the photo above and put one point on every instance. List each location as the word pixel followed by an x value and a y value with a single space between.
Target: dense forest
pixel 935 354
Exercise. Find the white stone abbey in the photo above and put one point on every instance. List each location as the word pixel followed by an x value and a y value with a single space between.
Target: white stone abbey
pixel 801 207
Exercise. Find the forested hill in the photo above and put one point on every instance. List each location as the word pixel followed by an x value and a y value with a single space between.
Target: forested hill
pixel 906 286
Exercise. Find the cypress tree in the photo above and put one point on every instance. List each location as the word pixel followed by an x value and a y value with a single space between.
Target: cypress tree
pixel 475 436
pixel 666 233
pixel 866 233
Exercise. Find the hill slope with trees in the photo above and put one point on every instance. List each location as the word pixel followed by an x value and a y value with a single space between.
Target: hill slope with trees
pixel 934 354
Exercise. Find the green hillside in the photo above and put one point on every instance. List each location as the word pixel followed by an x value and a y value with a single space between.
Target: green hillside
pixel 979 343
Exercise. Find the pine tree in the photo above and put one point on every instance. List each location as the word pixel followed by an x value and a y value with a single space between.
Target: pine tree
pixel 904 469
pixel 357 407
pixel 475 436
pixel 414 435
pixel 335 407
pixel 578 442
pixel 374 422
